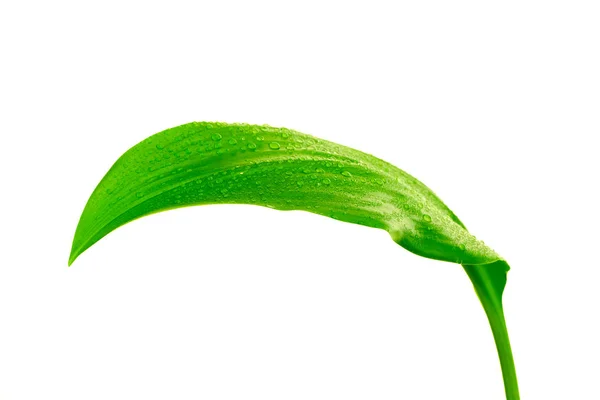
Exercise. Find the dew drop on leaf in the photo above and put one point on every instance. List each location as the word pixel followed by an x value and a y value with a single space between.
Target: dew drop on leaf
pixel 347 174
pixel 426 218
pixel 216 137
pixel 274 145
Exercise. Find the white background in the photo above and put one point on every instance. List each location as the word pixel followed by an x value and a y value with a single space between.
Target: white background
pixel 494 105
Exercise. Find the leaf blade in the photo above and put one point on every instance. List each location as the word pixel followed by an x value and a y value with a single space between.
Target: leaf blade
pixel 287 170
pixel 216 163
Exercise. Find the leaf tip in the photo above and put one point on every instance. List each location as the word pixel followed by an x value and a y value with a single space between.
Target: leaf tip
pixel 75 252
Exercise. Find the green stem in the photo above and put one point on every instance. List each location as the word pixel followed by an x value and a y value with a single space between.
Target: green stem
pixel 489 281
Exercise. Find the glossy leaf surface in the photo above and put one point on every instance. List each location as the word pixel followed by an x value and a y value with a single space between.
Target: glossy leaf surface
pixel 218 163
pixel 215 163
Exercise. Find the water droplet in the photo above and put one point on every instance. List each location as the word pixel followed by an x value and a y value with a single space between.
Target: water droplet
pixel 326 181
pixel 232 141
pixel 216 137
pixel 220 151
pixel 260 138
pixel 462 247
pixel 426 218
pixel 219 180
pixel 300 183
pixel 274 145
pixel 320 170
pixel 285 135
pixel 251 146
pixel 160 146
pixel 347 174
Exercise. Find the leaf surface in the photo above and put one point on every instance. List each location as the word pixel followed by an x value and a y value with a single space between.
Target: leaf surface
pixel 216 163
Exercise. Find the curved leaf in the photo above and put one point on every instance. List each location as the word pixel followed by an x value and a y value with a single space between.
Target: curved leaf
pixel 218 163
pixel 210 163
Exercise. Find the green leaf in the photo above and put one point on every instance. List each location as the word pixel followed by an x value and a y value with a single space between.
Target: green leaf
pixel 218 163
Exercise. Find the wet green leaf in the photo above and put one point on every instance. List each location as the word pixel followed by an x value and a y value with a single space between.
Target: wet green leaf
pixel 218 163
